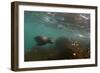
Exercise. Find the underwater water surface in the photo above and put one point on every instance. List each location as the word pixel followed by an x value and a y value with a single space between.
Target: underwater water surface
pixel 56 35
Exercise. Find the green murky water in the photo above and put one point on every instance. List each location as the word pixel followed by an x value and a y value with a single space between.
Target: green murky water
pixel 53 26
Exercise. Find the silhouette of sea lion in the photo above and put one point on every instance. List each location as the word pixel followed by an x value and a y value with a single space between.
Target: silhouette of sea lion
pixel 42 40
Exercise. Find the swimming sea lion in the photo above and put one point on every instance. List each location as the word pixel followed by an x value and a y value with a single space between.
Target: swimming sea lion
pixel 42 40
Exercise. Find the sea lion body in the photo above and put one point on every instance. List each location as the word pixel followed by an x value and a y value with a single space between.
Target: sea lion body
pixel 42 40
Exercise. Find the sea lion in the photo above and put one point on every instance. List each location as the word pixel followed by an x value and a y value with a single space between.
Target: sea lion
pixel 42 40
